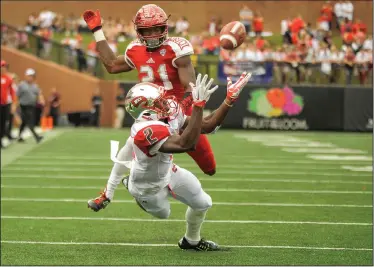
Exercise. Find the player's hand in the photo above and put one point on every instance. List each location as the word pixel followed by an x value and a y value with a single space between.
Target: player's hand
pixel 201 92
pixel 234 90
pixel 13 109
pixel 93 20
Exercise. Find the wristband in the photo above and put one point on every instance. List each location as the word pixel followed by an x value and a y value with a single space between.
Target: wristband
pixel 227 104
pixel 200 104
pixel 99 35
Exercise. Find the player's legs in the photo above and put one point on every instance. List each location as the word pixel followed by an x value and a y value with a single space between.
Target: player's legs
pixel 186 188
pixel 156 204
pixel 203 155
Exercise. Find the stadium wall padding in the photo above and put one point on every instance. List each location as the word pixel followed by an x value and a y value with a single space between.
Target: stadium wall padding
pixel 197 12
pixel 76 89
pixel 299 108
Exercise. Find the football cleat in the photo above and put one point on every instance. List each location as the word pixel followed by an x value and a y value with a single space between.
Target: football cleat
pixel 203 245
pixel 98 203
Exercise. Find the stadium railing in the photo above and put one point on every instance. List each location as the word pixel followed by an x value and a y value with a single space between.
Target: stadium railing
pixel 62 54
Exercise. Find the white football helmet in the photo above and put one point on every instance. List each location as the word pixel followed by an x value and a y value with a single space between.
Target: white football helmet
pixel 147 101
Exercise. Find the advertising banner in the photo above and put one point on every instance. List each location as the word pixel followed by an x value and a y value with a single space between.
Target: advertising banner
pixel 262 72
pixel 358 112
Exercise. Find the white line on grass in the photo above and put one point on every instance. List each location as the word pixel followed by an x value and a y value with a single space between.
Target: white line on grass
pixel 179 220
pixel 260 180
pixel 101 166
pixel 206 189
pixel 62 170
pixel 179 203
pixel 172 245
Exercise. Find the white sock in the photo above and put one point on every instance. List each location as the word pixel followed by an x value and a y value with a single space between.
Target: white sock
pixel 194 219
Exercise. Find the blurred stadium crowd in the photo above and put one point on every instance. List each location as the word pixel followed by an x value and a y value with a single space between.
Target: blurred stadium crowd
pixel 335 46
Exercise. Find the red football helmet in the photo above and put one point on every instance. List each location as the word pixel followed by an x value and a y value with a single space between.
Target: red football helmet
pixel 151 25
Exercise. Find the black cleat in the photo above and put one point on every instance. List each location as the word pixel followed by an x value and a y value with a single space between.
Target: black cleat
pixel 203 245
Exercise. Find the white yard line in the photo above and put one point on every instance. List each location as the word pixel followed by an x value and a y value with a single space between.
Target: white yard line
pixel 237 204
pixel 210 179
pixel 225 171
pixel 173 245
pixel 206 189
pixel 179 220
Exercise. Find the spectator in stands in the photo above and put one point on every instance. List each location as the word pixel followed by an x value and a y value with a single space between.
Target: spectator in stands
pixel 71 26
pixel 323 23
pixel 46 18
pixel 258 23
pixel 324 57
pixel 327 39
pixel 213 27
pixel 171 26
pixel 246 17
pixel 362 61
pixel 97 101
pixel 348 9
pixel 348 37
pixel 81 57
pixel 368 43
pixel 54 106
pixel 293 60
pixel 210 44
pixel 279 57
pixel 181 26
pixel 46 39
pixel 261 43
pixel 327 12
pixel 348 61
pixel 339 13
pixel 28 93
pixel 91 57
pixel 120 110
pixel 336 58
pixel 32 23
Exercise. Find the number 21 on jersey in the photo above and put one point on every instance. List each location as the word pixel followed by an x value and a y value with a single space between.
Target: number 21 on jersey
pixel 150 75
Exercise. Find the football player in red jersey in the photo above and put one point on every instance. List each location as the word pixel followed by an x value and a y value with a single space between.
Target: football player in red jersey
pixel 159 59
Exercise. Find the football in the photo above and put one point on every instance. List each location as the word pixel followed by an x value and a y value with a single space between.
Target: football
pixel 232 35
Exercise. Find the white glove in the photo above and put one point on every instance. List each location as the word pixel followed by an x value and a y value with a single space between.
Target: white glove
pixel 234 90
pixel 201 92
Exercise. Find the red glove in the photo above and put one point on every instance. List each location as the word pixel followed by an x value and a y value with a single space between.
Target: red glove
pixel 233 90
pixel 93 20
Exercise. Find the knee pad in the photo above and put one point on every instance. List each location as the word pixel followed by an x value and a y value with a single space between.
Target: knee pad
pixel 202 202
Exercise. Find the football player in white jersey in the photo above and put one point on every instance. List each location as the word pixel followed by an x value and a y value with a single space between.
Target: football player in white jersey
pixel 155 136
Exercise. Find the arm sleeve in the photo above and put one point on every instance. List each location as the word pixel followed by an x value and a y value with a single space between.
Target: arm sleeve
pixel 150 138
pixel 119 170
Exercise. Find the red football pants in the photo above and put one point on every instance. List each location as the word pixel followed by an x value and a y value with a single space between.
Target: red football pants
pixel 203 154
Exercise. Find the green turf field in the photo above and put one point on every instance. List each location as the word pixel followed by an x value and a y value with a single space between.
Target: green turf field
pixel 279 198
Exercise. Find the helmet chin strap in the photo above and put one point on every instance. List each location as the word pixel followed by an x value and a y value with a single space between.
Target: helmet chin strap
pixel 147 115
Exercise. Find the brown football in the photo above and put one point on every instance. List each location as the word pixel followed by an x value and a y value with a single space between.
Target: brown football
pixel 232 35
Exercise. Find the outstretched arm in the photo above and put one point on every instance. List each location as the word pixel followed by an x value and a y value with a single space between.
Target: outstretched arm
pixel 187 140
pixel 112 63
pixel 215 119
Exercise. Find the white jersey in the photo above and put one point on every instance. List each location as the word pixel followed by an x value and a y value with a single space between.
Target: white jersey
pixel 151 169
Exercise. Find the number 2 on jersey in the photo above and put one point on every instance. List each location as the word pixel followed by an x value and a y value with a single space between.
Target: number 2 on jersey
pixel 148 135
pixel 150 76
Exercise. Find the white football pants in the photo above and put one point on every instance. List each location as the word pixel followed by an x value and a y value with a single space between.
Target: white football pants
pixel 183 186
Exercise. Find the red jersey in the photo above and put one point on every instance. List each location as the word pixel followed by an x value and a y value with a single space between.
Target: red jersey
pixel 7 90
pixel 159 66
